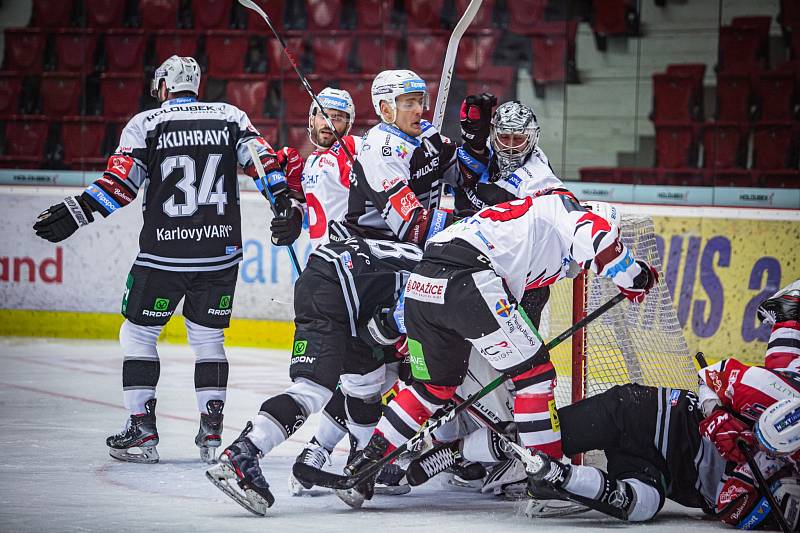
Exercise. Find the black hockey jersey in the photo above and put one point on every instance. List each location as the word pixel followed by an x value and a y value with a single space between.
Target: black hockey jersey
pixel 395 183
pixel 372 273
pixel 184 155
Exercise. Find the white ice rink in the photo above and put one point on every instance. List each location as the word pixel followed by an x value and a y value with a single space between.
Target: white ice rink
pixel 59 400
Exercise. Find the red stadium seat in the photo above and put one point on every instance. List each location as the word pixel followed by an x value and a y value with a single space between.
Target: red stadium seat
pixel 367 45
pixel 51 13
pixel 426 52
pixel 734 95
pixel 635 175
pixel 82 139
pixel 121 94
pixel 784 179
pixel 159 14
pixel 424 14
pixel 774 146
pixel 276 56
pixel 610 17
pixel 125 50
pixel 248 92
pixel 61 93
pixel 269 128
pixel 212 14
pixel 24 49
pixel 10 89
pixel 696 71
pixel 25 137
pixel 175 42
pixel 295 100
pixel 553 50
pixel 724 145
pixel 373 14
pixel 674 97
pixel 275 12
pixel 731 177
pixel 331 51
pixel 75 50
pixel 297 137
pixel 681 177
pixel 323 14
pixel 103 14
pixel 227 51
pixel 475 53
pixel 360 88
pixel 599 174
pixel 776 95
pixel 483 19
pixel 738 50
pixel 761 25
pixel 523 15
pixel 675 144
pixel 500 87
pixel 789 16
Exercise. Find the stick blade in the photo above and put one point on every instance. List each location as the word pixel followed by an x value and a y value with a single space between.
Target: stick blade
pixel 321 478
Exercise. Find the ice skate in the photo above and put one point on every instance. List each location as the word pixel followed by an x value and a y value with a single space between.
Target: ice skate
pixel 373 452
pixel 782 306
pixel 391 481
pixel 209 437
pixel 238 474
pixel 313 455
pixel 140 432
pixel 545 474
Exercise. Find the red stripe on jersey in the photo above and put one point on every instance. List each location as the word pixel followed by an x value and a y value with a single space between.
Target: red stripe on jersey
pixel 442 392
pixel 792 324
pixel 532 403
pixel 411 405
pixel 782 361
pixel 533 372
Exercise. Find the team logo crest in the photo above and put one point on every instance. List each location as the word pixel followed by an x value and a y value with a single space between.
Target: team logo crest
pixel 401 151
pixel 503 308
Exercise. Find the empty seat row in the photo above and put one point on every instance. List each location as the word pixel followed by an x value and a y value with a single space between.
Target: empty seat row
pixel 725 145
pixel 692 177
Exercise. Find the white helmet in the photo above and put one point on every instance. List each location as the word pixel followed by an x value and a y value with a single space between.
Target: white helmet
pixel 331 98
pixel 390 84
pixel 179 74
pixel 607 211
pixel 778 427
pixel 518 119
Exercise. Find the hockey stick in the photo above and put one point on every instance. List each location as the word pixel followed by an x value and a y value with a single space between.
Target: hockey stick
pixel 444 85
pixel 318 477
pixel 268 193
pixel 763 487
pixel 250 4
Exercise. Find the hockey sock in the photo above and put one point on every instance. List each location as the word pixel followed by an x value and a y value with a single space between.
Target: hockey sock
pixel 403 417
pixel 535 410
pixel 783 350
pixel 141 367
pixel 333 425
pixel 627 499
pixel 278 418
pixel 362 417
pixel 210 383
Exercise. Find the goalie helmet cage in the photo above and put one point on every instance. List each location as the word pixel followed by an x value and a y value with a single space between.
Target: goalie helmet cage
pixel 631 343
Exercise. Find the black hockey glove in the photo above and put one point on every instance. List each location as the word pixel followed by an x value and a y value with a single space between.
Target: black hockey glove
pixel 476 118
pixel 62 220
pixel 287 224
pixel 381 329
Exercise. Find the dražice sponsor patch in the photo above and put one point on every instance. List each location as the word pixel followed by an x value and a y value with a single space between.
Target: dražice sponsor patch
pixel 426 289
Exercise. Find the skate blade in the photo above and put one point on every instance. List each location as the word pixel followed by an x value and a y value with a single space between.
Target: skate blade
pixel 149 455
pixel 297 487
pixel 552 508
pixel 224 478
pixel 392 490
pixel 208 454
pixel 351 497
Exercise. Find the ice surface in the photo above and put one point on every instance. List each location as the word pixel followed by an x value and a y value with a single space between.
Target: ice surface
pixel 60 399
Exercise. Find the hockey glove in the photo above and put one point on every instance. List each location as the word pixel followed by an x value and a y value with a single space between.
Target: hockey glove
pixel 62 220
pixel 642 283
pixel 291 162
pixel 381 329
pixel 725 431
pixel 287 224
pixel 476 119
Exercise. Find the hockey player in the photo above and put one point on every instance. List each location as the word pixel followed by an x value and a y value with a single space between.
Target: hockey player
pixel 395 182
pixel 185 155
pixel 333 297
pixel 464 294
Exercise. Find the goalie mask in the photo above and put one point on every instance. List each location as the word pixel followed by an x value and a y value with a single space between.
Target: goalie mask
pixel 514 134
pixel 179 74
pixel 330 98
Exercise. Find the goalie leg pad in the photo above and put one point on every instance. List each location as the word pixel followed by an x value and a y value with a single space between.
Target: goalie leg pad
pixel 484 446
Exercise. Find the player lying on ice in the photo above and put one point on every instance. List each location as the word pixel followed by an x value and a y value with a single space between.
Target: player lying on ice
pixel 184 154
pixel 464 294
pixel 669 443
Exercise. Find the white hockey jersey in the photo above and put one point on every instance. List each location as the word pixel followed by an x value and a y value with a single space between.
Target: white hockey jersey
pixel 530 242
pixel 326 186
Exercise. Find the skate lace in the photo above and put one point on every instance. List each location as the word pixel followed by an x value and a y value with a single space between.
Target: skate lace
pixel 438 461
pixel 315 457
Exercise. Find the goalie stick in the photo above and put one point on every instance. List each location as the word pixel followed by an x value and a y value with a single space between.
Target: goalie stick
pixel 250 4
pixel 342 482
pixel 268 193
pixel 446 199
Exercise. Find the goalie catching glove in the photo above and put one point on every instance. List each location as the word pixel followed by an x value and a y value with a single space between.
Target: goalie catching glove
pixel 642 283
pixel 62 220
pixel 725 431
